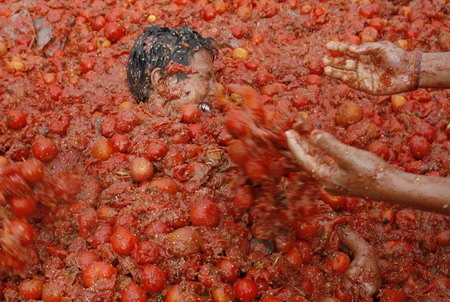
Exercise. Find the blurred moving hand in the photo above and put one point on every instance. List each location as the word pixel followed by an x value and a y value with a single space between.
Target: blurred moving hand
pixel 345 170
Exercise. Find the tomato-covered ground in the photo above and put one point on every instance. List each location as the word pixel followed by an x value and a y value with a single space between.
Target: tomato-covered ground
pixel 102 199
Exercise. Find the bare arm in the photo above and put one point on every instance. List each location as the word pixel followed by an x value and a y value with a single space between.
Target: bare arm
pixel 345 170
pixel 435 70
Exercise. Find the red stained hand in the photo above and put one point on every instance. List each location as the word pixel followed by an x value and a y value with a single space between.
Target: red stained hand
pixel 376 68
pixel 339 168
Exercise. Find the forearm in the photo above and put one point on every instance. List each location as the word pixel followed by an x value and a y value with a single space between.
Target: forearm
pixel 429 193
pixel 435 70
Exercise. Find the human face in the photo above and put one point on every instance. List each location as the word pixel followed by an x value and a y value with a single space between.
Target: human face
pixel 195 88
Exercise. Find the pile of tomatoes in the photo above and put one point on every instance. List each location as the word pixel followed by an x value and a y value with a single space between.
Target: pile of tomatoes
pixel 103 199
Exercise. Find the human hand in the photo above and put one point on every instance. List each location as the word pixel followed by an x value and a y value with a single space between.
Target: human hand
pixel 364 271
pixel 376 68
pixel 339 168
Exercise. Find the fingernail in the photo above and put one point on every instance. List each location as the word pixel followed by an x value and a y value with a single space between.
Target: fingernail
pixel 353 48
pixel 326 60
pixel 327 70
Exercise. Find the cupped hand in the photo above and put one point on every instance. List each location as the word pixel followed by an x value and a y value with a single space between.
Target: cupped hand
pixel 376 68
pixel 339 168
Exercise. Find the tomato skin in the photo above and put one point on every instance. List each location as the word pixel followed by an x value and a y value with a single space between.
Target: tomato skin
pixel 98 271
pixel 32 170
pixel 153 278
pixel 335 202
pixel 425 129
pixel 256 170
pixel 243 197
pixel 141 169
pixel 348 113
pixel 392 295
pixel 59 125
pixel 419 146
pixel 102 150
pixel 133 293
pixel 229 269
pixel 31 288
pixel 120 143
pixel 379 148
pixel 305 230
pixel 23 206
pixel 186 241
pixel 44 149
pixel 164 185
pixel 145 252
pixel 16 119
pixel 443 238
pixel 108 126
pixel 86 258
pixel 237 31
pixel 190 113
pixel 245 289
pixel 123 241
pixel 87 64
pixel 113 31
pixel 21 230
pixel 294 257
pixel 204 213
pixel 338 263
pixel 156 150
pixel 209 13
pixel 307 287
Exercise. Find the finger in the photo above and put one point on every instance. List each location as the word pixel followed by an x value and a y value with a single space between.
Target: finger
pixel 366 48
pixel 343 75
pixel 340 63
pixel 339 47
pixel 340 152
pixel 299 148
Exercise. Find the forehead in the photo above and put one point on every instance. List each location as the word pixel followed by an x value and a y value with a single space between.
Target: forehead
pixel 202 62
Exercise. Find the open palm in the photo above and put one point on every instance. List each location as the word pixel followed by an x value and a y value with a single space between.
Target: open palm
pixel 376 68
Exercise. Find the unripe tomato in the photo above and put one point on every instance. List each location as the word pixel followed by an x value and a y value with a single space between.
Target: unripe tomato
pixel 443 238
pixel 44 149
pixel 240 53
pixel 16 119
pixel 348 113
pixel 153 278
pixel 102 150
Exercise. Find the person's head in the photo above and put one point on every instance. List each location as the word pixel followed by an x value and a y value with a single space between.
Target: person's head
pixel 171 64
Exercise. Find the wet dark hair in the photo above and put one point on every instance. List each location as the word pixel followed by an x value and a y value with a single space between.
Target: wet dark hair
pixel 155 48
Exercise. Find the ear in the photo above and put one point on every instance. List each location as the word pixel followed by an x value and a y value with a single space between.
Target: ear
pixel 155 76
